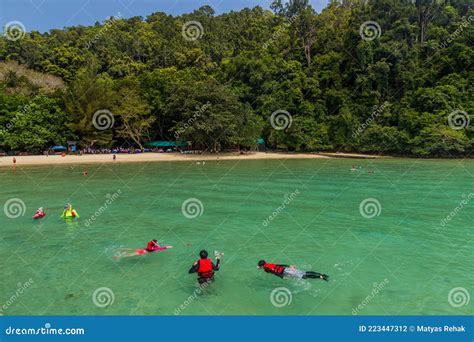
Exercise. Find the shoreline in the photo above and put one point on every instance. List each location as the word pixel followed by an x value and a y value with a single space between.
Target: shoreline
pixel 163 157
pixel 72 159
pixel 145 157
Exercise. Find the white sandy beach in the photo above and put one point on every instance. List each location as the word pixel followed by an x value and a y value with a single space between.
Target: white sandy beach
pixel 145 157
pixel 163 157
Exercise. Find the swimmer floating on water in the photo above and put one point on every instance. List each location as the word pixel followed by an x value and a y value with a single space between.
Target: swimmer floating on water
pixel 69 212
pixel 151 246
pixel 205 267
pixel 39 213
pixel 287 271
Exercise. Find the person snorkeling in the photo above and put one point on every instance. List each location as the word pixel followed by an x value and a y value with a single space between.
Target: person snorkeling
pixel 39 213
pixel 151 246
pixel 287 271
pixel 69 212
pixel 205 267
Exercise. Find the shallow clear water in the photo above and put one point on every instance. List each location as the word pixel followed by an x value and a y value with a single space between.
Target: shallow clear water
pixel 402 261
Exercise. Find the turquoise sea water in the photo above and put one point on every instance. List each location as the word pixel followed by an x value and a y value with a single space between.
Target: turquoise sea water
pixel 401 261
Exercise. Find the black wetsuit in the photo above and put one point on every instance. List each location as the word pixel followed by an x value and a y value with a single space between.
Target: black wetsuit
pixel 311 274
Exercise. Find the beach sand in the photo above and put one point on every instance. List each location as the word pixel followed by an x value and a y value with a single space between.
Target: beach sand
pixel 146 157
pixel 163 157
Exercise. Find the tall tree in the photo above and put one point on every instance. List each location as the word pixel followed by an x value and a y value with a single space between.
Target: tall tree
pixel 134 113
pixel 87 95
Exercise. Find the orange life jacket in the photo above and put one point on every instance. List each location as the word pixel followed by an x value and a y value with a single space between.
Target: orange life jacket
pixel 205 270
pixel 273 268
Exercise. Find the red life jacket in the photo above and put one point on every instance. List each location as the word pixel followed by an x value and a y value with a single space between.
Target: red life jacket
pixel 273 268
pixel 205 270
pixel 150 246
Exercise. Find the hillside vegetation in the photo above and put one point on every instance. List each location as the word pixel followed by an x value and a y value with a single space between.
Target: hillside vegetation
pixel 392 77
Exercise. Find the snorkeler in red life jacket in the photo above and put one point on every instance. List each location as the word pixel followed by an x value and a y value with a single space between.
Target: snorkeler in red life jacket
pixel 205 267
pixel 151 246
pixel 275 269
pixel 288 271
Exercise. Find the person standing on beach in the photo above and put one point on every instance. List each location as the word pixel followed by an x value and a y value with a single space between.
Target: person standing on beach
pixel 205 267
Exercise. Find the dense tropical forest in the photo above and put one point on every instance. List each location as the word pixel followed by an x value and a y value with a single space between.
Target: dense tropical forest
pixel 386 76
